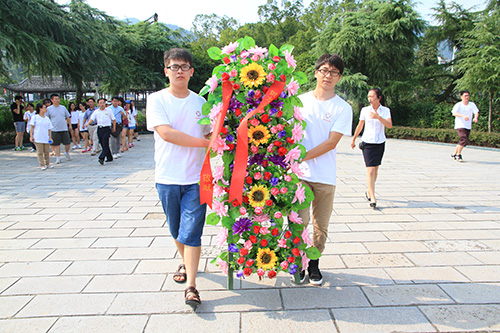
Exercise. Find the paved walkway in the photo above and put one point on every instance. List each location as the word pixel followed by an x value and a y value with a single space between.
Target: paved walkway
pixel 84 248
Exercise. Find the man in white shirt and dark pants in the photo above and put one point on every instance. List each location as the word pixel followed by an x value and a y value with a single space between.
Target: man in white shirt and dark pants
pixel 106 124
pixel 463 111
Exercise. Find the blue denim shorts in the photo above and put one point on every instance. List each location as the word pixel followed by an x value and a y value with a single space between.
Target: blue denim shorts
pixel 185 215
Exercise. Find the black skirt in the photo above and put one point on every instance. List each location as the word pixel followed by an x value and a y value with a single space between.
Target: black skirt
pixel 373 153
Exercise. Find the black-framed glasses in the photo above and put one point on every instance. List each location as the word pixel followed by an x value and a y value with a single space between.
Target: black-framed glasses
pixel 325 72
pixel 175 68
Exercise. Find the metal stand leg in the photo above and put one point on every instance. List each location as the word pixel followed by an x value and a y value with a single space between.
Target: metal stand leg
pixel 230 273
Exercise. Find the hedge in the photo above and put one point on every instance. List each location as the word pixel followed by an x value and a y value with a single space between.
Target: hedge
pixel 476 138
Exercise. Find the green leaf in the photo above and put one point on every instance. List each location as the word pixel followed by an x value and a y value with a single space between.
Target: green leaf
pixel 214 53
pixel 288 109
pixel 234 212
pixel 219 69
pixel 204 90
pixel 212 219
pixel 303 152
pixel 204 121
pixel 227 222
pixel 205 110
pixel 300 77
pixel 273 51
pixel 287 47
pixel 248 42
pixel 313 253
pixel 241 97
pixel 296 101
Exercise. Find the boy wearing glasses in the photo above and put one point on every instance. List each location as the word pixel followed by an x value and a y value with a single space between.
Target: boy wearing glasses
pixel 173 114
pixel 328 118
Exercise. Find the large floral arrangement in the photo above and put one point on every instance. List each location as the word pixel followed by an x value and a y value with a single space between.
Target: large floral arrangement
pixel 257 127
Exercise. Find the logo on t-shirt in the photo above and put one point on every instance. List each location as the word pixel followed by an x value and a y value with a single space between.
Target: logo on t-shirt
pixel 327 117
pixel 198 114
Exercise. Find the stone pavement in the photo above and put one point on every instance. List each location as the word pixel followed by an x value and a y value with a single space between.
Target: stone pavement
pixel 84 248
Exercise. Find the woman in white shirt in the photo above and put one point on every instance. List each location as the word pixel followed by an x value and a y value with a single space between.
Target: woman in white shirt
pixel 75 133
pixel 374 118
pixel 41 135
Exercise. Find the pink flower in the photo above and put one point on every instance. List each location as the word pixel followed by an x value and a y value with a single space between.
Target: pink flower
pixel 305 260
pixel 282 243
pixel 260 218
pixel 306 238
pixel 297 132
pixel 271 67
pixel 214 112
pixel 219 208
pixel 270 148
pixel 257 176
pixel 259 51
pixel 244 54
pixel 212 82
pixel 223 265
pixel 244 61
pixel 289 59
pixel 270 78
pixel 254 149
pixel 300 194
pixel 278 215
pixel 233 73
pixel 221 236
pixel 218 191
pixel 284 264
pixel 294 218
pixel 275 191
pixel 219 145
pixel 288 178
pixel 248 245
pixel 283 190
pixel 280 127
pixel 292 155
pixel 258 210
pixel 264 230
pixel 255 57
pixel 243 210
pixel 260 272
pixel 297 114
pixel 228 49
pixel 254 122
pixel 274 130
pixel 295 168
pixel 218 173
pixel 292 88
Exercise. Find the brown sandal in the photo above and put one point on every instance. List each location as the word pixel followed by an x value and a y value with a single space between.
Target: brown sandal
pixel 180 277
pixel 192 297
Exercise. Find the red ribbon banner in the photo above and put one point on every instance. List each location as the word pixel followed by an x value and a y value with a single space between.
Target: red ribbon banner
pixel 206 176
pixel 241 158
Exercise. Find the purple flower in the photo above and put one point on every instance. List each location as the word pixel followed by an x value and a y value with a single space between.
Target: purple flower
pixel 230 138
pixel 241 225
pixel 256 159
pixel 251 93
pixel 239 274
pixel 235 104
pixel 281 134
pixel 234 58
pixel 278 103
pixel 292 269
pixel 283 95
pixel 278 160
pixel 273 111
pixel 274 181
pixel 233 248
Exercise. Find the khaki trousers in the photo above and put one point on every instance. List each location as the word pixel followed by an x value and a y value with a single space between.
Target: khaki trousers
pixel 322 208
pixel 43 153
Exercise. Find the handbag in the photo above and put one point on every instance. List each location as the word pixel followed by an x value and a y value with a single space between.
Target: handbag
pixel 117 131
pixel 124 120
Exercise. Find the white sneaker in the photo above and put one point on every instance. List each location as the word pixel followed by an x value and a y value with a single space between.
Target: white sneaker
pixel 115 155
pixel 79 146
pixel 58 160
pixel 118 154
pixel 74 147
pixel 67 156
pixel 50 166
pixel 33 150
pixel 43 168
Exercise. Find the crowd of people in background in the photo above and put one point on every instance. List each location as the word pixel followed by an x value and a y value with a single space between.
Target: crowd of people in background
pixel 108 128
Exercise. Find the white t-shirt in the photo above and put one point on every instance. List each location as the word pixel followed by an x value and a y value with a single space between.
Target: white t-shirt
pixel 323 117
pixel 74 117
pixel 131 117
pixel 374 129
pixel 41 129
pixel 27 116
pixel 81 121
pixel 466 110
pixel 103 117
pixel 175 164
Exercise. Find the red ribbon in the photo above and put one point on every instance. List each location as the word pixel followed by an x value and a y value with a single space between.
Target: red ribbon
pixel 206 176
pixel 241 158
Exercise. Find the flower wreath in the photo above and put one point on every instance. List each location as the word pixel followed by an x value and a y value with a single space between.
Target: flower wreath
pixel 254 113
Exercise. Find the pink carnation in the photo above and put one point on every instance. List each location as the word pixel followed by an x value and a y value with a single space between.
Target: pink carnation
pixel 284 264
pixel 254 122
pixel 223 265
pixel 244 54
pixel 292 88
pixel 244 61
pixel 280 127
pixel 257 176
pixel 243 210
pixel 294 218
pixel 228 49
pixel 248 245
pixel 278 215
pixel 300 194
pixel 283 190
pixel 264 230
pixel 274 130
pixel 270 148
pixel 297 114
pixel 219 208
pixel 289 59
pixel 295 168
pixel 288 178
pixel 271 67
pixel 219 145
pixel 221 236
pixel 258 210
pixel 233 73
pixel 275 191
pixel 297 132
pixel 292 155
pixel 270 78
pixel 212 82
pixel 282 243
pixel 254 149
pixel 255 57
pixel 260 272
pixel 260 218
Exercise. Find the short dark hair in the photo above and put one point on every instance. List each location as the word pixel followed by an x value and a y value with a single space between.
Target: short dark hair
pixel 91 98
pixel 18 97
pixel 464 92
pixel 54 95
pixel 47 100
pixel 116 97
pixel 331 59
pixel 31 104
pixel 178 54
pixel 104 99
pixel 38 107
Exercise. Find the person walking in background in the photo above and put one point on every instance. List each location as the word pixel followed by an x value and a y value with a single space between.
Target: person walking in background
pixel 463 111
pixel 61 120
pixel 107 124
pixel 30 112
pixel 41 135
pixel 374 119
pixel 75 131
pixel 125 123
pixel 82 108
pixel 95 147
pixel 116 135
pixel 135 112
pixel 328 118
pixel 17 109
pixel 132 124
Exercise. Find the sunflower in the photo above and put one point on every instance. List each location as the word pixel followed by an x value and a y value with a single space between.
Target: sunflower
pixel 258 135
pixel 266 259
pixel 252 75
pixel 258 195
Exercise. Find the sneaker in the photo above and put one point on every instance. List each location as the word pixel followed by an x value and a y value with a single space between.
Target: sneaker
pixel 459 158
pixel 115 155
pixel 93 153
pixel 67 156
pixel 138 139
pixel 454 157
pixel 302 275
pixel 33 150
pixel 50 166
pixel 118 154
pixel 85 150
pixel 43 168
pixel 75 146
pixel 23 148
pixel 58 160
pixel 315 276
pixel 101 161
pixel 79 146
pixel 17 149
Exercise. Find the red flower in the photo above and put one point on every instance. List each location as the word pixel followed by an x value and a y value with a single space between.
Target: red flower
pixel 296 252
pixel 271 274
pixel 269 202
pixel 276 59
pixel 225 76
pixel 236 86
pixel 282 151
pixel 231 146
pixel 249 180
pixel 245 199
pixel 237 112
pixel 267 175
pixel 291 260
pixel 275 232
pixel 290 141
pixel 279 113
pixel 263 243
pixel 288 234
pixel 243 251
pixel 256 229
pixel 226 61
pixel 258 94
pixel 253 239
pixel 247 271
pixel 223 130
pixel 265 119
pixel 240 260
pixel 283 77
pixel 265 163
pixel 235 203
pixel 265 89
pixel 296 240
pixel 250 262
pixel 277 143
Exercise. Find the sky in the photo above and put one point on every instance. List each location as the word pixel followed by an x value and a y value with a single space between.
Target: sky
pixel 183 12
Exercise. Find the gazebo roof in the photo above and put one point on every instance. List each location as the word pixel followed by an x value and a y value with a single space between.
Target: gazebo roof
pixel 39 84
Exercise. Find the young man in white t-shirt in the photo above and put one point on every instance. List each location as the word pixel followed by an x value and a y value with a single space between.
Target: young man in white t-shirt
pixel 328 118
pixel 173 114
pixel 463 111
